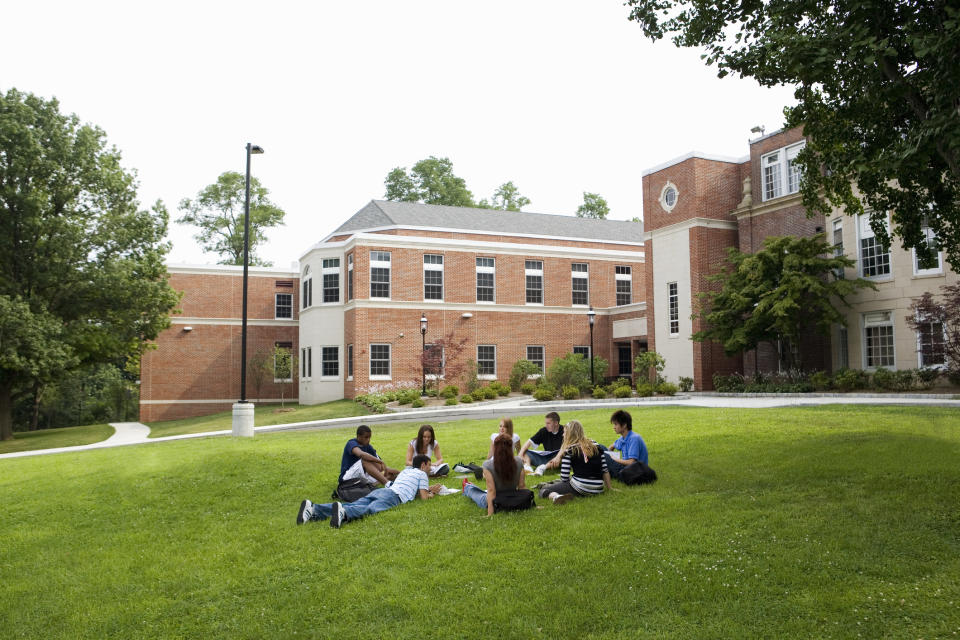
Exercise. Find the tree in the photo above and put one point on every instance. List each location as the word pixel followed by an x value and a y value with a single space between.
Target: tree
pixel 82 277
pixel 441 359
pixel 258 368
pixel 594 206
pixel 431 181
pixel 937 322
pixel 506 198
pixel 646 361
pixel 284 369
pixel 574 370
pixel 877 85
pixel 777 295
pixel 218 212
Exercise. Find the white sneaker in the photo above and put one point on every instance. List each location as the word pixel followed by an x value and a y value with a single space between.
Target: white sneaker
pixel 561 498
pixel 527 468
pixel 540 470
pixel 306 510
pixel 339 515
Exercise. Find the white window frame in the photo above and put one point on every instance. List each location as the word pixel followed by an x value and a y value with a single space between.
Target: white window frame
pixel 931 239
pixel 843 348
pixel 492 270
pixel 350 276
pixel 443 361
pixel 292 368
pixel 306 299
pixel 277 305
pixel 943 339
pixel 626 275
pixel 874 320
pixel 389 374
pixel 487 376
pixel 779 173
pixel 323 361
pixel 349 362
pixel 331 269
pixel 865 232
pixel 381 264
pixel 435 267
pixel 579 278
pixel 306 363
pixel 673 309
pixel 531 271
pixel 542 361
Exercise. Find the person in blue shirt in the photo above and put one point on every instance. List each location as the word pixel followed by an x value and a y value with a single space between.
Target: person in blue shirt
pixel 631 446
pixel 360 460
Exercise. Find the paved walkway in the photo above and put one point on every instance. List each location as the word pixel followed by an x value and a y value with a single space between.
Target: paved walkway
pixel 131 433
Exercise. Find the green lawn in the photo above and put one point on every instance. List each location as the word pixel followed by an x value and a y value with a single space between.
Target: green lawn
pixel 826 522
pixel 54 438
pixel 264 415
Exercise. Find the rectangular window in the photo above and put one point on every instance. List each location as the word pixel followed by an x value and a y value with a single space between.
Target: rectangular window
pixel 624 360
pixel 535 355
pixel 878 339
pixel 624 278
pixel 843 351
pixel 673 308
pixel 379 361
pixel 580 283
pixel 485 277
pixel 533 270
pixel 349 362
pixel 283 307
pixel 330 362
pixel 838 245
pixel 379 274
pixel 432 277
pixel 306 363
pixel 331 280
pixel 350 277
pixel 931 264
pixel 307 297
pixel 486 360
pixel 584 351
pixel 930 344
pixel 283 362
pixel 781 173
pixel 433 360
pixel 874 257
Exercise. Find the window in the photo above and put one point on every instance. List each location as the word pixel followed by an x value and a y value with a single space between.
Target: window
pixel 874 257
pixel 878 339
pixel 668 197
pixel 580 285
pixel 379 274
pixel 843 351
pixel 432 277
pixel 350 277
pixel 930 345
pixel 584 351
pixel 306 363
pixel 533 269
pixel 283 306
pixel 624 360
pixel 485 273
pixel 283 362
pixel 931 264
pixel 330 362
pixel 624 279
pixel 838 245
pixel 307 297
pixel 433 362
pixel 781 174
pixel 331 280
pixel 535 355
pixel 349 362
pixel 673 308
pixel 486 360
pixel 379 361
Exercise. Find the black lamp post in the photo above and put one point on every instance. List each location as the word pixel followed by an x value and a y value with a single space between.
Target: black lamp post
pixel 590 316
pixel 251 149
pixel 423 353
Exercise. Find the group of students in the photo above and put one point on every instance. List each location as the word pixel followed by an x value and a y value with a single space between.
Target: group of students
pixel 586 467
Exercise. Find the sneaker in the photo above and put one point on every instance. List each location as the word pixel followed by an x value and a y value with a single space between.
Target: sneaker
pixel 527 468
pixel 339 515
pixel 306 510
pixel 560 498
pixel 463 487
pixel 540 470
pixel 461 468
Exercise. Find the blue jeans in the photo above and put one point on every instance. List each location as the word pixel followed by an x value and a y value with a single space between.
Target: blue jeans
pixel 475 493
pixel 374 502
pixel 538 458
pixel 614 466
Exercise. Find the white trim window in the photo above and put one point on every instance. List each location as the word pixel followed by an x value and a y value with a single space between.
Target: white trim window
pixel 486 288
pixel 838 246
pixel 535 355
pixel 673 308
pixel 281 373
pixel 533 272
pixel 331 280
pixel 843 348
pixel 306 363
pixel 350 277
pixel 379 361
pixel 874 257
pixel 583 350
pixel 878 343
pixel 433 277
pixel 931 345
pixel 486 361
pixel 283 306
pixel 580 284
pixel 623 275
pixel 435 362
pixel 380 275
pixel 933 265
pixel 781 174
pixel 330 362
pixel 307 296
pixel 349 362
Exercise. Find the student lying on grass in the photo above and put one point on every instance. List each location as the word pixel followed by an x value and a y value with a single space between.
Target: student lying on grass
pixel 409 484
pixel 503 472
pixel 583 469
pixel 426 444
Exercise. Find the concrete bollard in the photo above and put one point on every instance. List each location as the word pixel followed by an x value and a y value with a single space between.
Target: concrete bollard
pixel 243 419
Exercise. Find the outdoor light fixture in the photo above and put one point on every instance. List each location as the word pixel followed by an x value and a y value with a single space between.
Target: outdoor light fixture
pixel 758 129
pixel 185 329
pixel 591 314
pixel 423 340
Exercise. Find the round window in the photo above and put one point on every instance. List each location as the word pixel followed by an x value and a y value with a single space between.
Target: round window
pixel 668 197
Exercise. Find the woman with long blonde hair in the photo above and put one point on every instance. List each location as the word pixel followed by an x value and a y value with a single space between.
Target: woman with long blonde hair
pixel 583 469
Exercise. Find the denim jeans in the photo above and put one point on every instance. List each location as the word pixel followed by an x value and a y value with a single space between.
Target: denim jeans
pixel 614 466
pixel 374 502
pixel 538 458
pixel 475 493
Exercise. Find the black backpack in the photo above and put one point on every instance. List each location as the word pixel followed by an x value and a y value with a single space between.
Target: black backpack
pixel 514 500
pixel 637 473
pixel 351 490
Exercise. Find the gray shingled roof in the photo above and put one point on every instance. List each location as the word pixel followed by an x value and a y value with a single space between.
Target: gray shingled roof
pixel 385 213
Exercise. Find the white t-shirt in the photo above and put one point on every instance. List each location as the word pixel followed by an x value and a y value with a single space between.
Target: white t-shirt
pixel 493 436
pixel 413 443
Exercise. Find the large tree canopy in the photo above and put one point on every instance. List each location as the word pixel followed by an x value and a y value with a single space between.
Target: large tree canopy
pixel 218 212
pixel 777 295
pixel 507 197
pixel 878 90
pixel 82 277
pixel 431 181
pixel 594 206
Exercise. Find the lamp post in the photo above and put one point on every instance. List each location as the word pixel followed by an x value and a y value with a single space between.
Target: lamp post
pixel 423 353
pixel 590 316
pixel 243 410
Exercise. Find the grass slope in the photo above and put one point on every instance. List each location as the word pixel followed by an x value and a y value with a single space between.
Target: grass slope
pixel 833 522
pixel 55 438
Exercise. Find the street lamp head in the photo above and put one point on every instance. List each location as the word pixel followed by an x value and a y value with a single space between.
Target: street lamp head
pixel 590 315
pixel 256 149
pixel 423 324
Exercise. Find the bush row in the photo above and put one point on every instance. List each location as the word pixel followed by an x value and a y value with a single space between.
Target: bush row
pixel 842 380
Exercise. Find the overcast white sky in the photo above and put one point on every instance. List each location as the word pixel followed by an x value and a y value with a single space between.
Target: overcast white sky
pixel 559 96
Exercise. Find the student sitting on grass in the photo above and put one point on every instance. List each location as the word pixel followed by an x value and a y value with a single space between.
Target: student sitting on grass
pixel 426 444
pixel 506 427
pixel 503 472
pixel 360 461
pixel 550 437
pixel 409 484
pixel 631 446
pixel 583 468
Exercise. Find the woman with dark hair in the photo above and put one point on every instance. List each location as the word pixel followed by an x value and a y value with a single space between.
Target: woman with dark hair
pixel 502 472
pixel 583 468
pixel 426 444
pixel 506 427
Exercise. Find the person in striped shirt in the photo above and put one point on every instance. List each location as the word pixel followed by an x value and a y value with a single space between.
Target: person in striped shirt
pixel 583 468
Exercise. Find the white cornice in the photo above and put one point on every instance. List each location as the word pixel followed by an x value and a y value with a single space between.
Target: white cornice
pixel 231 270
pixel 256 322
pixel 706 223
pixel 769 206
pixel 498 308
